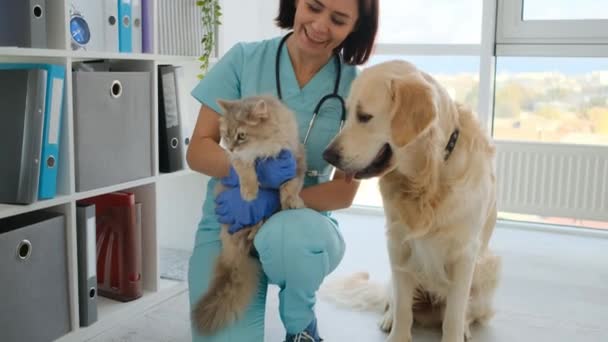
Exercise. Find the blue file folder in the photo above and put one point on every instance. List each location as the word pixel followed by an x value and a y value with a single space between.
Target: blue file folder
pixel 125 26
pixel 52 129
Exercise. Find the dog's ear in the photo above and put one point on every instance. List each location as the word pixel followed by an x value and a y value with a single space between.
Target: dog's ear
pixel 414 107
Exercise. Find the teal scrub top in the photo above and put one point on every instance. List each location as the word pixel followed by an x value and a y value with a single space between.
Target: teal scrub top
pixel 248 69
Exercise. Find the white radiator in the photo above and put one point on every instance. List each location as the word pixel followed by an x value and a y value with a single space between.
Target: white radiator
pixel 552 179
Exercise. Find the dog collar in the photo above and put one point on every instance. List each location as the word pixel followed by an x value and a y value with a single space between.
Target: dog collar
pixel 451 143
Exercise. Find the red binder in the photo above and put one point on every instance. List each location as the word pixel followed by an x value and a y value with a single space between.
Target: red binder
pixel 119 246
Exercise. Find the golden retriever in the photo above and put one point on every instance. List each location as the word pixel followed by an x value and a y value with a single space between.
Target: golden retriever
pixel 436 175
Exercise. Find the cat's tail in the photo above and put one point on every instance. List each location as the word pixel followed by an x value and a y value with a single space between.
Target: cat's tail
pixel 235 282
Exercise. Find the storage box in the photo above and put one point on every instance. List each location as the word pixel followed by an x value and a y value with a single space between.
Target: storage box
pixel 112 124
pixel 34 303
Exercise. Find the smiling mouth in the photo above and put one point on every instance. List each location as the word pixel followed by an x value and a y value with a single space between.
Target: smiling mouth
pixel 379 164
pixel 313 40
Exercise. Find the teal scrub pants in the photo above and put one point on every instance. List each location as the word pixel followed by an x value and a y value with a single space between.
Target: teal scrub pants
pixel 297 250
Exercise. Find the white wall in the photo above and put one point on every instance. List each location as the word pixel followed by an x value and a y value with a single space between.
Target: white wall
pixel 248 20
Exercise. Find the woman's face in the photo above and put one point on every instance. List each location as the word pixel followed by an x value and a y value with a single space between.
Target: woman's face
pixel 322 25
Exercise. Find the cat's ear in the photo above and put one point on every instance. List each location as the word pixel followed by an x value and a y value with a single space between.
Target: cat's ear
pixel 226 105
pixel 260 110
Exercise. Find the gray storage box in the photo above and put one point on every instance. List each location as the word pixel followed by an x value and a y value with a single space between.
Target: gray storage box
pixel 34 302
pixel 112 124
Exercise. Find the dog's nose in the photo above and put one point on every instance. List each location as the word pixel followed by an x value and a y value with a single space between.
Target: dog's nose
pixel 332 156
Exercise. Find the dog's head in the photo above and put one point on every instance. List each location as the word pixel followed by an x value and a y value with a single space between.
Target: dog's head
pixel 390 105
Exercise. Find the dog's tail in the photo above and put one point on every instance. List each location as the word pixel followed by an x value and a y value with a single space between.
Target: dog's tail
pixel 356 292
pixel 230 292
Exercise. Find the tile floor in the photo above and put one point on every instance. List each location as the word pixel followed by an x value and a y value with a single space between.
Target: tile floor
pixel 554 288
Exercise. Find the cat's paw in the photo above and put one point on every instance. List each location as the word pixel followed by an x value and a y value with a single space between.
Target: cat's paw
pixel 292 202
pixel 249 192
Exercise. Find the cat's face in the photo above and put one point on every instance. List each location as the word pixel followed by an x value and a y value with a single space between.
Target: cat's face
pixel 245 123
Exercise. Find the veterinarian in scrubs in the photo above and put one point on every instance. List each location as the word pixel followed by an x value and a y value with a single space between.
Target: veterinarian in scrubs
pixel 296 248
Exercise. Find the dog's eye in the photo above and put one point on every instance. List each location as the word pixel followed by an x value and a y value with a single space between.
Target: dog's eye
pixel 241 136
pixel 362 117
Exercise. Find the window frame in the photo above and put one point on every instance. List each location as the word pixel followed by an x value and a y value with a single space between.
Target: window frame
pixel 513 29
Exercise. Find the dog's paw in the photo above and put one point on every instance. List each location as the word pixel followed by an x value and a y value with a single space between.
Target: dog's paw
pixel 451 338
pixel 397 338
pixel 467 331
pixel 249 191
pixel 386 323
pixel 292 202
pixel 467 334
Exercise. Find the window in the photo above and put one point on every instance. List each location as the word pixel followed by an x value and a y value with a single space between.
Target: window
pixel 565 9
pixel 551 96
pixel 555 99
pixel 552 22
pixel 430 22
pixel 554 220
pixel 458 74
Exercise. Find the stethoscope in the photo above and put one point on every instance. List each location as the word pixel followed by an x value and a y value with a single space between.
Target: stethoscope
pixel 315 113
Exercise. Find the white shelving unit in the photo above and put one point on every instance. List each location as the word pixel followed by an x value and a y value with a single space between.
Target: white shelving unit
pixel 150 191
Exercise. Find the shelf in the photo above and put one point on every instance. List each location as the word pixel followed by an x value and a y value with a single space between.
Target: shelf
pixel 89 55
pixel 176 174
pixel 7 210
pixel 112 313
pixel 168 200
pixel 29 52
pixel 118 187
pixel 84 55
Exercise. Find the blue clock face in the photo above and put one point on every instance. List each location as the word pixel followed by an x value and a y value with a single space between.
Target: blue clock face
pixel 79 30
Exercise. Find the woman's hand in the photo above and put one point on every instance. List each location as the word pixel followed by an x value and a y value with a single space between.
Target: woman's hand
pixel 271 172
pixel 233 210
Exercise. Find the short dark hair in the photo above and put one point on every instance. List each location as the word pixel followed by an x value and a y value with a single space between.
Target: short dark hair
pixel 357 47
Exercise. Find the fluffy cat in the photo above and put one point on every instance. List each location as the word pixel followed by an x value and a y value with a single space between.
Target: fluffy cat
pixel 251 128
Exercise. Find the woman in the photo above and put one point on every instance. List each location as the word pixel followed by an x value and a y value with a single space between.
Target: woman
pixel 297 248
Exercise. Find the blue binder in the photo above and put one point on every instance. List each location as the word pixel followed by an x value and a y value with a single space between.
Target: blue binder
pixel 47 186
pixel 125 26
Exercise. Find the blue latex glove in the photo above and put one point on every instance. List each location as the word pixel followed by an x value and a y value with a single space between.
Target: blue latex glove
pixel 271 172
pixel 233 210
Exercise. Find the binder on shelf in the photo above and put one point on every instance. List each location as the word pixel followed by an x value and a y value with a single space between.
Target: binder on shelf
pixel 169 130
pixel 23 95
pixel 49 158
pixel 118 245
pixel 112 128
pixel 136 27
pixel 49 162
pixel 125 26
pixel 23 23
pixel 110 22
pixel 187 122
pixel 93 25
pixel 87 263
pixel 147 29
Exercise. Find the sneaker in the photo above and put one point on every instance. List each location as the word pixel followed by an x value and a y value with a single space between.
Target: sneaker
pixel 309 334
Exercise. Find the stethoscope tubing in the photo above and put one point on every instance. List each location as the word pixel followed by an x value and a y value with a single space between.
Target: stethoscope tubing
pixel 323 99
